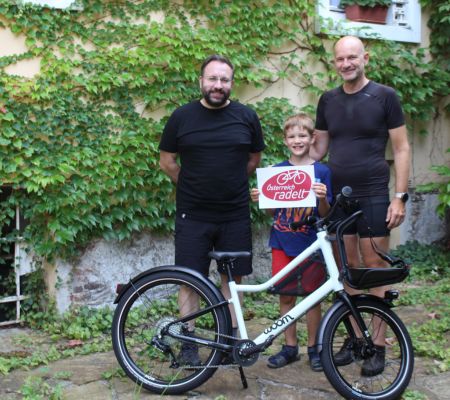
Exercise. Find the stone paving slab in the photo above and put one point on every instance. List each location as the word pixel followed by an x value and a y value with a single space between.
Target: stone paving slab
pixel 85 381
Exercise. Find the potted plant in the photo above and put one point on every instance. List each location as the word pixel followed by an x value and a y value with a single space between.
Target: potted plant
pixel 373 11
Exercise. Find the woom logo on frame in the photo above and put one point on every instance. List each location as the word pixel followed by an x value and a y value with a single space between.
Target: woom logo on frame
pixel 288 186
pixel 280 322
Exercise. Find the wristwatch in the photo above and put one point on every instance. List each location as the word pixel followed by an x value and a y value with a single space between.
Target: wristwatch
pixel 403 196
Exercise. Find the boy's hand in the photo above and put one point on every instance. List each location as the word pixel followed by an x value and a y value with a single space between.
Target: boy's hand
pixel 320 190
pixel 254 194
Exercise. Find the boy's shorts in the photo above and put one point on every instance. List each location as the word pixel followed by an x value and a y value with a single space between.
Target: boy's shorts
pixel 310 279
pixel 195 239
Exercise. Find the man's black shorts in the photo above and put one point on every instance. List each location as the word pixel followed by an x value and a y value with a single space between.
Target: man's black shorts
pixel 195 239
pixel 373 221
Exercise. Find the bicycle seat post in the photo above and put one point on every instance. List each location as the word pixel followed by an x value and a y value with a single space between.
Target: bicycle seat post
pixel 229 265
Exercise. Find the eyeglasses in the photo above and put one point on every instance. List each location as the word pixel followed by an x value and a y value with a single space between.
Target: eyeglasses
pixel 214 79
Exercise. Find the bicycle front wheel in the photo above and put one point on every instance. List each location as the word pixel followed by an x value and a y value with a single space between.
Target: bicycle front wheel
pixel 354 380
pixel 145 315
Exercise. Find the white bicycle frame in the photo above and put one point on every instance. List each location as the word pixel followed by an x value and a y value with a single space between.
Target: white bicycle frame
pixel 333 284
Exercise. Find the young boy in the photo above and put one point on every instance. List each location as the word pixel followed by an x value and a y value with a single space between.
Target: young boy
pixel 287 244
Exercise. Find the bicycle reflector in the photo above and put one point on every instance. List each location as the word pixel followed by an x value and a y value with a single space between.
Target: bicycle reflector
pixel 119 287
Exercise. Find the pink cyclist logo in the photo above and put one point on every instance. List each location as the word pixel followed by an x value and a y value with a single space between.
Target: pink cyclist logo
pixel 287 186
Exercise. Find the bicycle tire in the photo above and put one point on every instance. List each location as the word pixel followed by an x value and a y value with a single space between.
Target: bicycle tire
pixel 348 380
pixel 143 310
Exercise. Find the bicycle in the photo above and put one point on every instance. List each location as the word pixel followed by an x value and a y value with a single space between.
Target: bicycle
pixel 147 333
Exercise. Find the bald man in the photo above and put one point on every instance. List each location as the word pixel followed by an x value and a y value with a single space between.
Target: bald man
pixel 353 123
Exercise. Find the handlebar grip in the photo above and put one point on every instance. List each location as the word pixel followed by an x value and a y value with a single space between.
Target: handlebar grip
pixel 346 192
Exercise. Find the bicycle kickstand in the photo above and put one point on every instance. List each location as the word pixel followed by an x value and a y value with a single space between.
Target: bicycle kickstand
pixel 243 378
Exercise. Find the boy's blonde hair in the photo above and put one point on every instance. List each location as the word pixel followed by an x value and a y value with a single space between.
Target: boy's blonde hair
pixel 301 120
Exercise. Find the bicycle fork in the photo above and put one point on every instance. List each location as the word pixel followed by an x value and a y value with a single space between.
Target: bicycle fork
pixel 356 324
pixel 347 300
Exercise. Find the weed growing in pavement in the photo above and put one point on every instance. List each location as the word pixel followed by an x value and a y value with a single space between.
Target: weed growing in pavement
pixel 113 373
pixel 413 395
pixel 36 388
pixel 63 375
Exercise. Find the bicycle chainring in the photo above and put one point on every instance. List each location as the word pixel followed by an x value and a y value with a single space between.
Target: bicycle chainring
pixel 241 359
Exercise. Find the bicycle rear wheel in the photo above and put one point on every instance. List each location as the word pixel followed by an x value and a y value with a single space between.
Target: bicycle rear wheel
pixel 350 380
pixel 143 349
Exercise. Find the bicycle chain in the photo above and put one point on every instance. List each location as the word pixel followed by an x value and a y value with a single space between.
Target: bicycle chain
pixel 187 367
pixel 213 366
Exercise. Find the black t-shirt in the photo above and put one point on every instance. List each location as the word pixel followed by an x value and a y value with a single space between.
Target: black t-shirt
pixel 358 127
pixel 213 146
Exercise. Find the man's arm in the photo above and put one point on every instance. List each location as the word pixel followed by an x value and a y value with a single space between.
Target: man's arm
pixel 253 162
pixel 319 147
pixel 401 152
pixel 169 165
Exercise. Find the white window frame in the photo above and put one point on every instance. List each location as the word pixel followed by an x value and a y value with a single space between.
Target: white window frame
pixel 61 4
pixel 403 22
pixel 22 265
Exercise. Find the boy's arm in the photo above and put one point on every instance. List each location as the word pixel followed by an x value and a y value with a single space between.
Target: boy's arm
pixel 323 207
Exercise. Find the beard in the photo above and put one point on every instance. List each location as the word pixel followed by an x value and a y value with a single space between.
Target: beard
pixel 217 101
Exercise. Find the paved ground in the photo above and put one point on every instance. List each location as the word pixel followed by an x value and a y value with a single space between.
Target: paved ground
pixel 88 377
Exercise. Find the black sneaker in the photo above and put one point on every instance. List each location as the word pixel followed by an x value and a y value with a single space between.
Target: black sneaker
pixel 314 359
pixel 374 365
pixel 188 355
pixel 287 355
pixel 346 355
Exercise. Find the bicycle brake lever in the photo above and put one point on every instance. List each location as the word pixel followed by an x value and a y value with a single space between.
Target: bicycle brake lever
pixel 311 220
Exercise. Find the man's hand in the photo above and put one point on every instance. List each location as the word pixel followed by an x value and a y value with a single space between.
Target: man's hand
pixel 396 213
pixel 168 163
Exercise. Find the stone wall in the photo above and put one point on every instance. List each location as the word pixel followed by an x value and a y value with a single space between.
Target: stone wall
pixel 422 222
pixel 92 279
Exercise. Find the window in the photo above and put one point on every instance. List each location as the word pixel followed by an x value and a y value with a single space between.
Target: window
pixel 403 22
pixel 62 4
pixel 14 266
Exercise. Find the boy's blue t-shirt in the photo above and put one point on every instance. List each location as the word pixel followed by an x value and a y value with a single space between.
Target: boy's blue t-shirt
pixel 281 235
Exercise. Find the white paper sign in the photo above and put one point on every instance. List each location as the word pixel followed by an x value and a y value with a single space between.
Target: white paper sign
pixel 286 187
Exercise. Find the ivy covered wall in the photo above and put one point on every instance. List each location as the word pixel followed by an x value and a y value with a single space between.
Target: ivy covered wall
pixel 78 140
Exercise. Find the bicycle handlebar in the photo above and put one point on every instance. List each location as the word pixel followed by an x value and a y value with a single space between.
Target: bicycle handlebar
pixel 351 208
pixel 342 200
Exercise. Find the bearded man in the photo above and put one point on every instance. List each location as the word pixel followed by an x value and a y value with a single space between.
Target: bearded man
pixel 209 148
